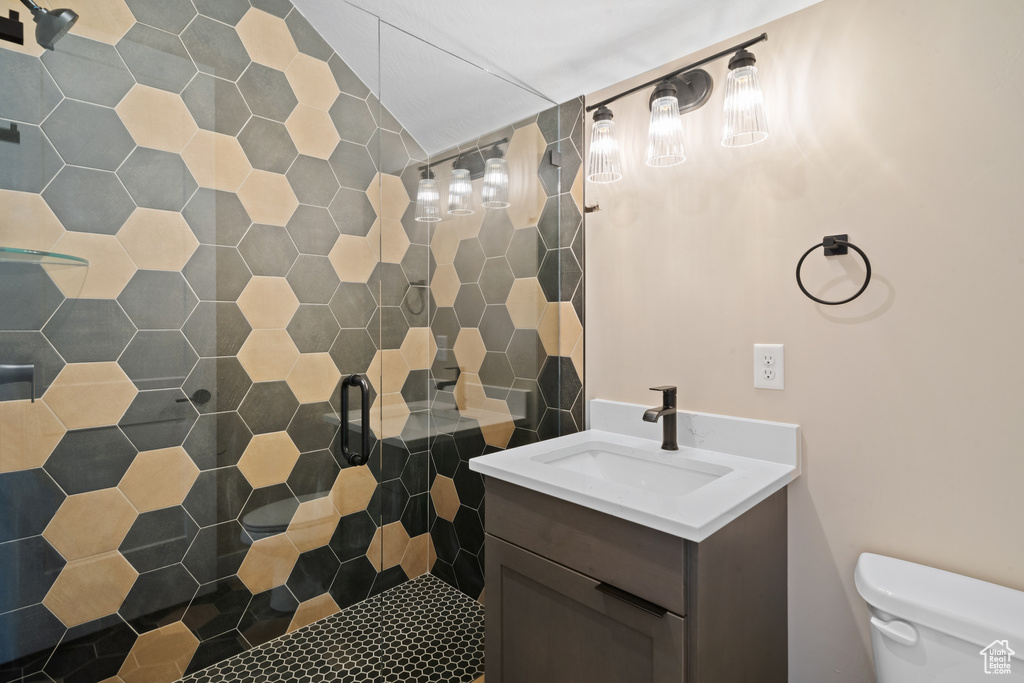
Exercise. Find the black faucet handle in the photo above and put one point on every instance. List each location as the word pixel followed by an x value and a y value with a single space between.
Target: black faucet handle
pixel 668 395
pixel 664 389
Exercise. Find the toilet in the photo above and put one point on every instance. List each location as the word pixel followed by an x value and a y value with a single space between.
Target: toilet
pixel 936 626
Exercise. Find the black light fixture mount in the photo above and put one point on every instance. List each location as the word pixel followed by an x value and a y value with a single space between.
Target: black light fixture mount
pixel 692 89
pixel 11 28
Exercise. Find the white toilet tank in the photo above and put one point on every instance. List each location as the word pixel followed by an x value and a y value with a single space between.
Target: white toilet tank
pixel 935 626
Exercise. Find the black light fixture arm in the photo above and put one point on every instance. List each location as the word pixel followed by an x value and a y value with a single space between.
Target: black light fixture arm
pixel 688 67
pixel 33 7
pixel 427 166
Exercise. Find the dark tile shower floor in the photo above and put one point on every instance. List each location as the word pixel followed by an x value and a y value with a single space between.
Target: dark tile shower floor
pixel 422 631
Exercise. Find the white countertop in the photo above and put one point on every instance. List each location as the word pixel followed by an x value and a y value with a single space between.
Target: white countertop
pixel 745 460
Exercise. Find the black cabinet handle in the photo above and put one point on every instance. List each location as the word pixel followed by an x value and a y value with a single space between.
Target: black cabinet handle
pixel 364 390
pixel 631 599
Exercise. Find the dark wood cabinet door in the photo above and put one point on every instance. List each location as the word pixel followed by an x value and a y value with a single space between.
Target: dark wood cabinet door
pixel 549 624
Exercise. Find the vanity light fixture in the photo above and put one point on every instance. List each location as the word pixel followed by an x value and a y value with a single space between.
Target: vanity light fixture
pixel 460 191
pixel 676 93
pixel 428 199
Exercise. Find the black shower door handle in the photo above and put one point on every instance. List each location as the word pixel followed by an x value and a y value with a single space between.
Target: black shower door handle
pixel 364 390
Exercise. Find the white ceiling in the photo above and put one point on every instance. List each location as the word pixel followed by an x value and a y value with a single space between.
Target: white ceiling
pixel 558 49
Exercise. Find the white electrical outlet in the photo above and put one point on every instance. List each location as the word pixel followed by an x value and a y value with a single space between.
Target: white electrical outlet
pixel 769 366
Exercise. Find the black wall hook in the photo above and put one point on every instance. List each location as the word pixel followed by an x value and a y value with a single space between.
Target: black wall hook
pixel 834 245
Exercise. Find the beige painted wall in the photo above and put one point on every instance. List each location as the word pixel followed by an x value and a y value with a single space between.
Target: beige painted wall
pixel 898 122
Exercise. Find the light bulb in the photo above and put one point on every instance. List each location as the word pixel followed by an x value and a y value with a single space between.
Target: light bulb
pixel 428 202
pixel 744 120
pixel 603 164
pixel 460 193
pixel 665 135
pixel 495 190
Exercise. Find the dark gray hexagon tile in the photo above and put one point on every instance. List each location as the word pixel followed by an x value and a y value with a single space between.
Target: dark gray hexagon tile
pixel 29 296
pixel 168 15
pixel 158 539
pixel 158 597
pixel 31 164
pixel 526 252
pixel 267 92
pixel 346 79
pixel 28 501
pixel 90 459
pixel 496 371
pixel 158 359
pixel 217 551
pixel 416 306
pixel 313 573
pixel 32 635
pixel 353 166
pixel 306 38
pixel 157 300
pixel 29 567
pixel 268 615
pixel 469 305
pixel 526 353
pixel 109 635
pixel 268 407
pixel 29 92
pixel 267 145
pixel 216 217
pixel 217 649
pixel 308 429
pixel 393 155
pixel 268 250
pixel 313 328
pixel 156 58
pixel 227 11
pixel 217 328
pixel 89 330
pixel 216 48
pixel 352 119
pixel 313 181
pixel 353 535
pixel 217 440
pixel 217 496
pixel 158 419
pixel 353 305
pixel 312 229
pixel 385 119
pixel 217 608
pixel 89 70
pixel 279 8
pixel 313 279
pixel 88 135
pixel 390 283
pixel 217 273
pixel 496 280
pixel 469 260
pixel 157 180
pixel 549 174
pixel 87 200
pixel 29 347
pixel 496 328
pixel 313 475
pixel 418 264
pixel 352 351
pixel 216 104
pixel 223 378
pixel 496 233
pixel 352 211
pixel 269 510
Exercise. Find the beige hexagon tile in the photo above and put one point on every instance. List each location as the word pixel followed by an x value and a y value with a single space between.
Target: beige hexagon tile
pixel 268 302
pixel 469 394
pixel 526 194
pixel 157 118
pixel 28 221
pixel 415 562
pixel 445 497
pixel 90 524
pixel 30 47
pixel 388 197
pixel 388 240
pixel 267 39
pixel 577 358
pixel 313 524
pixel 268 355
pixel 158 240
pixel 569 328
pixel 496 422
pixel 312 131
pixel 548 328
pixel 268 197
pixel 445 285
pixel 469 349
pixel 29 432
pixel 109 270
pixel 353 259
pixel 106 21
pixel 268 563
pixel 268 459
pixel 394 542
pixel 388 415
pixel 526 303
pixel 159 479
pixel 431 553
pixel 352 490
pixel 444 243
pixel 90 394
pixel 314 377
pixel 312 82
pixel 160 656
pixel 90 588
pixel 374 550
pixel 419 348
pixel 218 161
pixel 388 371
pixel 314 609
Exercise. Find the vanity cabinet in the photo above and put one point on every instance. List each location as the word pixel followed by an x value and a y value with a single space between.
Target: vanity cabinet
pixel 576 595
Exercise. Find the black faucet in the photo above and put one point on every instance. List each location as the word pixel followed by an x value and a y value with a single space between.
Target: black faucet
pixel 668 411
pixel 441 385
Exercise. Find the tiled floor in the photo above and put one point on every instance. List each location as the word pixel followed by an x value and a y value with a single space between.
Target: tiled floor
pixel 422 631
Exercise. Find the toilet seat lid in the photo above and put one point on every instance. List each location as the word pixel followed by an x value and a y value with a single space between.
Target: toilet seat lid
pixel 273 517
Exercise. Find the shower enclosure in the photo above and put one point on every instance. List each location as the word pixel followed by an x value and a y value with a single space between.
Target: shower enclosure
pixel 240 203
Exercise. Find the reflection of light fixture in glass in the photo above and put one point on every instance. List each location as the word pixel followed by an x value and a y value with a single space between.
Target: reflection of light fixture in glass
pixel 428 199
pixel 460 191
pixel 495 190
pixel 603 165
pixel 665 135
pixel 745 122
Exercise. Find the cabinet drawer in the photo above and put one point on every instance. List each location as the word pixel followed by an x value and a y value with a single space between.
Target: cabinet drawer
pixel 647 563
pixel 549 624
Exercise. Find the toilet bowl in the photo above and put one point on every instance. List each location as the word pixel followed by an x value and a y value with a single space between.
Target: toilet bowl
pixel 936 626
pixel 268 520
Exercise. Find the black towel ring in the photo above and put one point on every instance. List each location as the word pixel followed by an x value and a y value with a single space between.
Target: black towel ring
pixel 834 245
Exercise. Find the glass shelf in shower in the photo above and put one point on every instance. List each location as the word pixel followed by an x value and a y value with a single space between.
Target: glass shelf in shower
pixel 45 258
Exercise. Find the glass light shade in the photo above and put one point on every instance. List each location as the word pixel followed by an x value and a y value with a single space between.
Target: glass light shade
pixel 665 136
pixel 495 190
pixel 603 164
pixel 428 201
pixel 745 122
pixel 460 193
